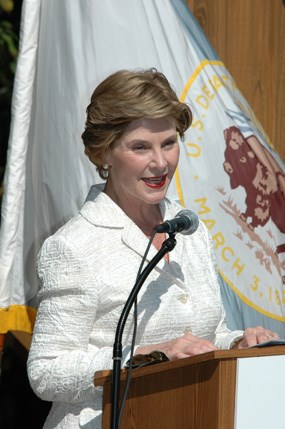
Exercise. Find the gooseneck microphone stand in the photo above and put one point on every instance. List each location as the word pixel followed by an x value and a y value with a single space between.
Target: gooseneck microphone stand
pixel 166 247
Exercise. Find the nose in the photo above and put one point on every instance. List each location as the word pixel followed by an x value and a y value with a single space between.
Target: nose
pixel 158 159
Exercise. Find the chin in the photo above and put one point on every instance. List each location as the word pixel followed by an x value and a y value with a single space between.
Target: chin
pixel 156 198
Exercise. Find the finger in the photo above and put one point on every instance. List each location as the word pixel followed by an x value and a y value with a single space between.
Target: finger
pixel 249 339
pixel 265 334
pixel 198 348
pixel 273 335
pixel 253 336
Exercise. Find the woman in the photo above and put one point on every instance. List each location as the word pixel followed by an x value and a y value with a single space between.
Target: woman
pixel 88 268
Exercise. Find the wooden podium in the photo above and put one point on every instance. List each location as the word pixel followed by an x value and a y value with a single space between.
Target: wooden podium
pixel 196 393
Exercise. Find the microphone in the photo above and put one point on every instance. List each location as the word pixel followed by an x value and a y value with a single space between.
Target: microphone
pixel 186 222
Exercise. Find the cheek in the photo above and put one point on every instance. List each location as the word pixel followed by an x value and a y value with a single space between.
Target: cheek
pixel 123 165
pixel 174 158
pixel 132 170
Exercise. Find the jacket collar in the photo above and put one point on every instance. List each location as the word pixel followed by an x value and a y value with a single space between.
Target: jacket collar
pixel 100 210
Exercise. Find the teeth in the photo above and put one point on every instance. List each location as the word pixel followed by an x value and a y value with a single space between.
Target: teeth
pixel 154 180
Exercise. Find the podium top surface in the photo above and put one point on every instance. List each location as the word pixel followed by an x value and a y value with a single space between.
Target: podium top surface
pixel 105 376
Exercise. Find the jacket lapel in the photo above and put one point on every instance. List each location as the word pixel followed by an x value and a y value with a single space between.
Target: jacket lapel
pixel 100 210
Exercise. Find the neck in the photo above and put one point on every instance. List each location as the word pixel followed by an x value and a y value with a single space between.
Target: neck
pixel 147 220
pixel 145 216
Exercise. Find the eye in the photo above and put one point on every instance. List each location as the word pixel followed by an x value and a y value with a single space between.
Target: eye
pixel 169 144
pixel 139 147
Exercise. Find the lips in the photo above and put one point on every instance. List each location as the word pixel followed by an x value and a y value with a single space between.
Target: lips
pixel 155 182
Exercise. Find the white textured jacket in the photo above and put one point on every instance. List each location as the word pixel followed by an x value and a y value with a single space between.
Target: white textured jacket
pixel 87 270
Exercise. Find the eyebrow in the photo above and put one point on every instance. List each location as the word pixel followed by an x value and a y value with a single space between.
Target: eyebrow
pixel 173 136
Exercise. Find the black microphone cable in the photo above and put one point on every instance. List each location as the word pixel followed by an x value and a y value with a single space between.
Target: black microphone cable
pixel 128 381
pixel 167 246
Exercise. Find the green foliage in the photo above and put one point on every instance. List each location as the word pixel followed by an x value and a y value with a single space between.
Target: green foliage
pixel 9 24
pixel 8 55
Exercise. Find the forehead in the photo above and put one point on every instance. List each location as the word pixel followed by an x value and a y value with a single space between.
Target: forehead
pixel 148 126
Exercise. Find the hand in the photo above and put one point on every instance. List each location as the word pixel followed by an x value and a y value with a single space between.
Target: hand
pixel 257 335
pixel 182 347
pixel 188 345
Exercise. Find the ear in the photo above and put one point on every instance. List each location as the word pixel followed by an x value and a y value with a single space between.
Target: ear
pixel 107 158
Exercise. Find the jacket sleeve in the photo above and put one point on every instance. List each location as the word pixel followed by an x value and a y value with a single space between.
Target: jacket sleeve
pixel 224 337
pixel 61 362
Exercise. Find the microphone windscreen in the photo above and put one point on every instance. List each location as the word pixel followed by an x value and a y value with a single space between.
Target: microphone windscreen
pixel 192 221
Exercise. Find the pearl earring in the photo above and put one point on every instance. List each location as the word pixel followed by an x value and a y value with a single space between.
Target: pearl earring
pixel 105 171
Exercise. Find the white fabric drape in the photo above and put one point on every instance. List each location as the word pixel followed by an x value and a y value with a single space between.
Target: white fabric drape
pixel 67 48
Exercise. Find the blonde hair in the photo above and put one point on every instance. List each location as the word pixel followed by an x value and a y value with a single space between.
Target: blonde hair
pixel 126 96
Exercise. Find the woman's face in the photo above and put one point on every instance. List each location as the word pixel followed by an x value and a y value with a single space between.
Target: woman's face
pixel 143 162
